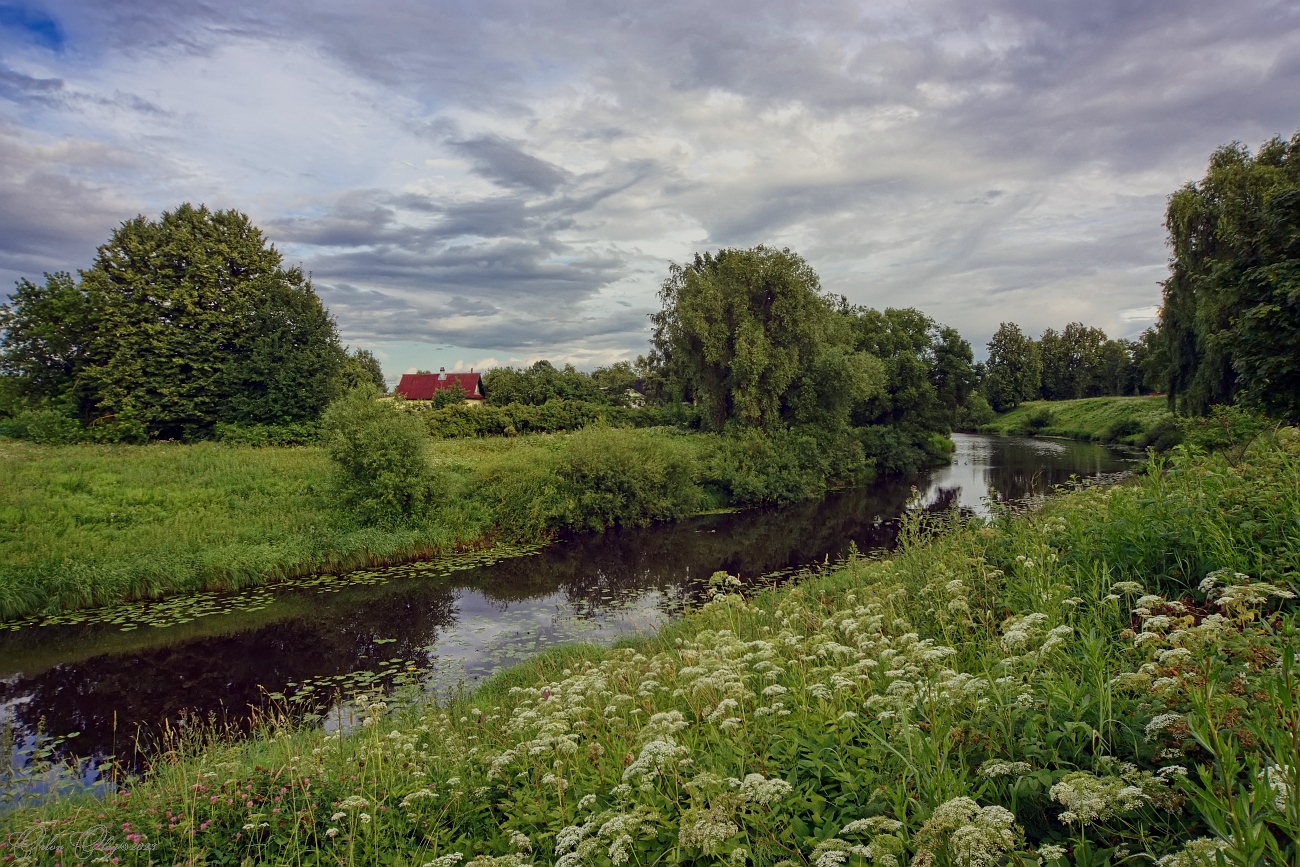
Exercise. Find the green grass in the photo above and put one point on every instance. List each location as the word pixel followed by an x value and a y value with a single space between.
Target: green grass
pixel 90 525
pixel 1109 680
pixel 1103 419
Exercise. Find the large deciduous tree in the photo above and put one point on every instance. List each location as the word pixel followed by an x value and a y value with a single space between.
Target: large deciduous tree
pixel 750 337
pixel 1014 369
pixel 1230 324
pixel 180 323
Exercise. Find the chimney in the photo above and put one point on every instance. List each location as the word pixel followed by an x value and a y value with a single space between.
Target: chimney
pixel 442 374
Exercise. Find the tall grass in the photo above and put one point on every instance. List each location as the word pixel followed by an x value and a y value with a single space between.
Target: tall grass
pixel 1110 680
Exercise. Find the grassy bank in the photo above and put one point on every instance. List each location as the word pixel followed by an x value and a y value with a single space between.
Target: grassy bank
pixel 1127 420
pixel 1109 680
pixel 86 525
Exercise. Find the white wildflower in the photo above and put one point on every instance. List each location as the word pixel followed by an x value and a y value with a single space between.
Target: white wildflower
pixel 994 769
pixel 874 825
pixel 1050 852
pixel 1197 853
pixel 760 790
pixel 1089 798
pixel 1161 723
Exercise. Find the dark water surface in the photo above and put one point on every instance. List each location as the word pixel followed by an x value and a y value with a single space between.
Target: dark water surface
pixel 117 686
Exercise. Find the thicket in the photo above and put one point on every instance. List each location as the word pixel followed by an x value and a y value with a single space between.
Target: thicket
pixel 1110 679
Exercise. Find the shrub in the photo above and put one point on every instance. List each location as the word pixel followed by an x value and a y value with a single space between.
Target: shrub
pixel 381 476
pixel 895 451
pixel 301 434
pixel 1117 431
pixel 1164 435
pixel 46 425
pixel 615 476
pixel 975 412
pixel 1037 420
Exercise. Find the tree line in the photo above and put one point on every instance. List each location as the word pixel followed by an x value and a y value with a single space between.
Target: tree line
pixel 1078 361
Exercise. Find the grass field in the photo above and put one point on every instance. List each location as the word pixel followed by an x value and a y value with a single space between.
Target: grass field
pixel 85 525
pixel 1103 419
pixel 1109 680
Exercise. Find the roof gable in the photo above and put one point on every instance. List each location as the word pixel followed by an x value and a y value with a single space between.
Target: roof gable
pixel 422 386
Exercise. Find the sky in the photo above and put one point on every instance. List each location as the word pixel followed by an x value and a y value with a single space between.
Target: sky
pixel 473 184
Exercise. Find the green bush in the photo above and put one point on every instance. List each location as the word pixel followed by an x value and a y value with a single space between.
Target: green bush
pixel 1163 435
pixel 974 412
pixel 750 467
pixel 895 451
pixel 46 425
pixel 1121 429
pixel 382 478
pixel 617 477
pixel 555 416
pixel 301 434
pixel 1038 420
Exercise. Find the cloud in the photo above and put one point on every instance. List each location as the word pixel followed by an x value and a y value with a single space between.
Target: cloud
pixel 513 178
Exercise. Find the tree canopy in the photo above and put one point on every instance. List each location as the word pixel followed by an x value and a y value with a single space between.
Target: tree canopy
pixel 750 337
pixel 1014 368
pixel 180 323
pixel 1230 324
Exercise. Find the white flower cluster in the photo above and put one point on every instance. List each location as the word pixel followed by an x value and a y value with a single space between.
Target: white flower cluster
pixel 1088 798
pixel 1197 853
pixel 974 836
pixel 994 769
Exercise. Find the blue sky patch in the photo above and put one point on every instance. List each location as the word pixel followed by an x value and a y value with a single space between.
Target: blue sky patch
pixel 35 23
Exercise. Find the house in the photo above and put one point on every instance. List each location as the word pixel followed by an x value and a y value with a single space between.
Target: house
pixel 423 386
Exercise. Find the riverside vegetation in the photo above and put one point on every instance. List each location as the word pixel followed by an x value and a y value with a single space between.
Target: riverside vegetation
pixel 91 525
pixel 1111 679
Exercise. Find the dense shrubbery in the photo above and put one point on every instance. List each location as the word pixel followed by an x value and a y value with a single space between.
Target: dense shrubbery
pixel 1110 679
pixel 460 420
pixel 383 477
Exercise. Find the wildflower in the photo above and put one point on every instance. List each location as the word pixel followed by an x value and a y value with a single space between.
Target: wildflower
pixel 1197 853
pixel 708 830
pixel 354 802
pixel 1050 852
pixel 1161 723
pixel 415 797
pixel 974 836
pixel 337 816
pixel 994 769
pixel 332 832
pixel 874 825
pixel 520 842
pixel 760 790
pixel 445 860
pixel 1088 798
pixel 364 817
pixel 1132 588
pixel 586 802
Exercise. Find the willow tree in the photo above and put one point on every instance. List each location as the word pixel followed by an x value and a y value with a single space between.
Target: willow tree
pixel 1230 323
pixel 750 337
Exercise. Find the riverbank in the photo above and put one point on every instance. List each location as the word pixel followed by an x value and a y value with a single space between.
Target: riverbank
pixel 90 525
pixel 1134 421
pixel 1074 684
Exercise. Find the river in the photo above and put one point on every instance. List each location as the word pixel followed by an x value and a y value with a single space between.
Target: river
pixel 116 681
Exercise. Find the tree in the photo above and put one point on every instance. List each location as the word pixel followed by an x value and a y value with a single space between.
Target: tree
pixel 928 368
pixel 180 323
pixel 44 331
pixel 750 337
pixel 1230 323
pixel 1013 371
pixel 360 367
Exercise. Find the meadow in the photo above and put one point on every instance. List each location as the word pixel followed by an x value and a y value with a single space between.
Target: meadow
pixel 1109 679
pixel 86 525
pixel 1136 421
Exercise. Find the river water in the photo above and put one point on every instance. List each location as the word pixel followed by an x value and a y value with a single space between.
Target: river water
pixel 117 684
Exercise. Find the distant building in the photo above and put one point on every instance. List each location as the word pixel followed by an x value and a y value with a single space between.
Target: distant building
pixel 423 386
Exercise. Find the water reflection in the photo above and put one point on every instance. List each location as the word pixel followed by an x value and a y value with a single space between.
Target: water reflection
pixel 116 688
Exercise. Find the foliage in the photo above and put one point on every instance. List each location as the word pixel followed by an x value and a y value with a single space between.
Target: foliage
pixel 1014 368
pixel 44 424
pixel 445 397
pixel 615 477
pixel 928 368
pixel 382 477
pixel 359 367
pixel 1073 362
pixel 748 335
pixel 1110 678
pixel 1226 429
pixel 751 467
pixel 543 382
pixel 301 434
pixel 552 417
pixel 1230 322
pixel 180 323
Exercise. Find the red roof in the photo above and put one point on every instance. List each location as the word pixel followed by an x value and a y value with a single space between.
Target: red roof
pixel 421 386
